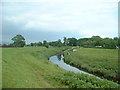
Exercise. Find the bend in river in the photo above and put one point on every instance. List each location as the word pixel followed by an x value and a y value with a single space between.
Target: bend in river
pixel 60 62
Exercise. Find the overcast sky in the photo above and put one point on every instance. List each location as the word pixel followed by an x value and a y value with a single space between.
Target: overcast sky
pixel 50 20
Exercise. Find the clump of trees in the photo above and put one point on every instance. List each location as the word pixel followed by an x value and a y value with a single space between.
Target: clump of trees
pixel 97 41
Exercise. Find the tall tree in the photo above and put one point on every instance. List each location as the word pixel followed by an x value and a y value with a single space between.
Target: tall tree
pixel 59 43
pixel 18 40
pixel 46 44
pixel 31 44
pixel 65 41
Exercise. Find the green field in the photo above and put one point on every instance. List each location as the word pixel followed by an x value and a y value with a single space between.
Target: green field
pixel 29 67
pixel 102 62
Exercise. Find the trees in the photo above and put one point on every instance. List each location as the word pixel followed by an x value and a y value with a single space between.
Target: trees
pixel 59 43
pixel 19 41
pixel 72 41
pixel 117 41
pixel 31 44
pixel 45 43
pixel 108 43
pixel 94 41
pixel 56 43
pixel 65 41
pixel 36 44
pixel 39 43
pixel 82 41
pixel 97 40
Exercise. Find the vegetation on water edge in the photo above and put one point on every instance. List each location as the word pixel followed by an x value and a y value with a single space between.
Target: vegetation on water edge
pixel 77 80
pixel 29 67
pixel 102 62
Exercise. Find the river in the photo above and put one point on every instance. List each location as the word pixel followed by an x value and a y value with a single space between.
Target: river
pixel 60 62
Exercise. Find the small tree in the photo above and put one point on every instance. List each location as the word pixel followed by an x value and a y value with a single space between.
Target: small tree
pixel 65 41
pixel 31 44
pixel 47 45
pixel 18 40
pixel 59 43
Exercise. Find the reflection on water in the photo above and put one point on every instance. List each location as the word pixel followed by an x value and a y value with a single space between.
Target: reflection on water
pixel 60 62
pixel 59 57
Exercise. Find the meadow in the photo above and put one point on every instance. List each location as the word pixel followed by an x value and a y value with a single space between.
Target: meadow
pixel 29 67
pixel 102 62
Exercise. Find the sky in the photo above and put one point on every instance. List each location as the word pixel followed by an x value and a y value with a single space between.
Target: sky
pixel 50 20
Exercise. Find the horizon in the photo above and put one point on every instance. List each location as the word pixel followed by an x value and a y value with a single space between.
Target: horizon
pixel 58 39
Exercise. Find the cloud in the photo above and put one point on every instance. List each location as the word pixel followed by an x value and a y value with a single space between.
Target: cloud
pixel 12 29
pixel 86 18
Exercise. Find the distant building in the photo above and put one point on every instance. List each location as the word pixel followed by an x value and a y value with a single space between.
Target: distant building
pixel 98 46
pixel 117 47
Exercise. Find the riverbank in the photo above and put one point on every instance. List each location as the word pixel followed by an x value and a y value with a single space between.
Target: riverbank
pixel 81 79
pixel 100 62
pixel 29 67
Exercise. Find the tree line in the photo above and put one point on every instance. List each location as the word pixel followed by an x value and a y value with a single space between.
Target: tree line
pixel 94 41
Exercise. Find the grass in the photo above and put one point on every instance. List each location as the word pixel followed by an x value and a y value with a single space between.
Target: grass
pixel 103 62
pixel 29 68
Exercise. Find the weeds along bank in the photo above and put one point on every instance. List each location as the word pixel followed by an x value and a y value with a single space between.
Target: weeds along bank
pixel 29 68
pixel 102 62
pixel 73 80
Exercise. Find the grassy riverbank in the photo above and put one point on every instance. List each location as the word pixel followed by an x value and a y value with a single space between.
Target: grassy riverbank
pixel 102 62
pixel 29 68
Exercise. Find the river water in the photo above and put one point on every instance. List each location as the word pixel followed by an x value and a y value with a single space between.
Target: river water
pixel 60 62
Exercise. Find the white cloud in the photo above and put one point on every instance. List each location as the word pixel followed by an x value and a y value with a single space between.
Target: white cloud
pixel 83 16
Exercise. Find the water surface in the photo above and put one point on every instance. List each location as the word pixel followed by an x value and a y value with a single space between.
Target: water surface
pixel 60 62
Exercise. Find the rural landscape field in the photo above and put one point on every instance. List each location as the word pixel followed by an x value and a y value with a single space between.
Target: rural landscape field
pixel 29 67
pixel 59 44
